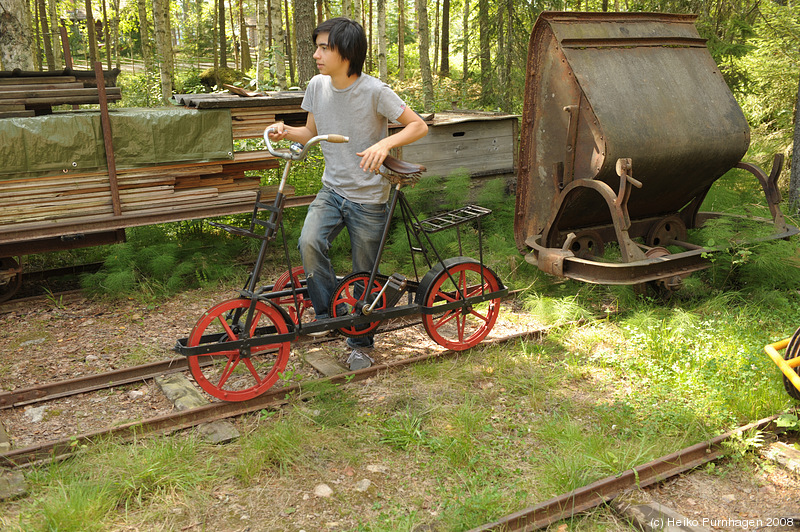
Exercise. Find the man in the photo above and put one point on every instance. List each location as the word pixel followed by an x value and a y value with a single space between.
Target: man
pixel 343 100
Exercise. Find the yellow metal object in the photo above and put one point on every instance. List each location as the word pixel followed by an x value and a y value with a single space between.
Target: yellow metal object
pixel 786 366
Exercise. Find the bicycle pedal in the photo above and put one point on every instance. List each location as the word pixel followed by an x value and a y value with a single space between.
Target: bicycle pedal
pixel 395 288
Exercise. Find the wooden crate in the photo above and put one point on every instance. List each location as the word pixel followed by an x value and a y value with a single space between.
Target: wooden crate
pixel 480 143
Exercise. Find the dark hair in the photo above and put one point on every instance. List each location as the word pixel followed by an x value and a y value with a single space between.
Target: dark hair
pixel 347 37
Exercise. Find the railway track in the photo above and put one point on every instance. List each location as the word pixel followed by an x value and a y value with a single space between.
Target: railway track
pixel 539 516
pixel 168 423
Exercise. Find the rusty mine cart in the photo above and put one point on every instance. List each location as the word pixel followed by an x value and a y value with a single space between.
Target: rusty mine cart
pixel 627 123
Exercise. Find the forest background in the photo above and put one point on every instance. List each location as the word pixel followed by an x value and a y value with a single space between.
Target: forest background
pixel 438 54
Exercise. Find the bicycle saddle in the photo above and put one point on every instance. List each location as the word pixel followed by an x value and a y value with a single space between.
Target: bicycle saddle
pixel 402 171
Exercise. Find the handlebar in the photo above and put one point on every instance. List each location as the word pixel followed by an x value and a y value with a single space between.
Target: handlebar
pixel 298 152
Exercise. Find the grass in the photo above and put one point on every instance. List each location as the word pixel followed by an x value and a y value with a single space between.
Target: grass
pixel 456 443
pixel 459 442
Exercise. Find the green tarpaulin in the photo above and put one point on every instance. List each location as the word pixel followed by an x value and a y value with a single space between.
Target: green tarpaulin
pixel 52 144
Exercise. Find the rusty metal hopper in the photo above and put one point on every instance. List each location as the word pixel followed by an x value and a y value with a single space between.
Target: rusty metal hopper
pixel 605 86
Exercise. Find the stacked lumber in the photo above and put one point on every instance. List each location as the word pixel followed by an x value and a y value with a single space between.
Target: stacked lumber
pixel 172 191
pixel 250 115
pixel 249 122
pixel 32 93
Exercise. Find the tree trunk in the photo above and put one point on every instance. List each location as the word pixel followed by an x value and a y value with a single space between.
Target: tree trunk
pixel 16 42
pixel 445 68
pixel 91 34
pixel 106 36
pixel 57 53
pixel 304 27
pixel 35 29
pixel 289 55
pixel 383 66
pixel 277 44
pixel 236 63
pixel 115 29
pixel 48 47
pixel 794 174
pixel 436 38
pixel 247 61
pixel 424 54
pixel 485 54
pixel 401 39
pixel 465 31
pixel 164 47
pixel 506 54
pixel 215 40
pixel 262 65
pixel 144 34
pixel 223 41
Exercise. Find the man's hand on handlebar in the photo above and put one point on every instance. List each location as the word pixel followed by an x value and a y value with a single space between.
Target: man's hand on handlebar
pixel 277 131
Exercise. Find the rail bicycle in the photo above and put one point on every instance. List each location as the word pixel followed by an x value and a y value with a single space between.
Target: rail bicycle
pixel 238 348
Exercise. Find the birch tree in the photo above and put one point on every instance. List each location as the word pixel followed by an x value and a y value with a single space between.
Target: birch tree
pixel 247 61
pixel 163 29
pixel 90 33
pixel 144 35
pixel 223 42
pixel 401 39
pixel 485 44
pixel 262 66
pixel 53 14
pixel 423 36
pixel 383 67
pixel 46 41
pixel 277 43
pixel 16 42
pixel 444 70
pixel 304 28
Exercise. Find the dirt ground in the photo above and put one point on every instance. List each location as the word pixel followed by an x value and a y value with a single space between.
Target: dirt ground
pixel 56 339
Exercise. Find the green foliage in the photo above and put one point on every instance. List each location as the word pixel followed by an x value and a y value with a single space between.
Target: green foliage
pixel 84 494
pixel 160 260
pixel 279 445
pixel 141 89
pixel 771 66
pixel 404 430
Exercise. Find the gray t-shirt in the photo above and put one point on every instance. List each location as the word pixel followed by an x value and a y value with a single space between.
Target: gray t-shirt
pixel 361 112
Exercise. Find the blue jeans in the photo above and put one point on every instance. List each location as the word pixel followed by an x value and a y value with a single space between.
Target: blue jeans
pixel 328 214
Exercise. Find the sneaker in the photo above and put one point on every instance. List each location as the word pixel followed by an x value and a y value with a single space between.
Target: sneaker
pixel 358 359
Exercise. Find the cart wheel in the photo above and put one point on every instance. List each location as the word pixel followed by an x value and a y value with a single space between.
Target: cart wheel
pixel 283 283
pixel 462 327
pixel 347 294
pixel 587 244
pixel 10 278
pixel 792 351
pixel 665 231
pixel 228 374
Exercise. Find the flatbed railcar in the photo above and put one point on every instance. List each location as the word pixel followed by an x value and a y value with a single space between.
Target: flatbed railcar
pixel 78 178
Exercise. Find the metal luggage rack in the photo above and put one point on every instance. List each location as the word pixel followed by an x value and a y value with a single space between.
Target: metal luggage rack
pixel 444 221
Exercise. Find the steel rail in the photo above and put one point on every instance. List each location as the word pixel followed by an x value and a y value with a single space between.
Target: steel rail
pixel 168 423
pixel 120 377
pixel 585 498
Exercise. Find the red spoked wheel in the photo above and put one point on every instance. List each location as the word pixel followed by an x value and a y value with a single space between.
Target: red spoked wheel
pixel 228 374
pixel 348 293
pixel 284 283
pixel 461 328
